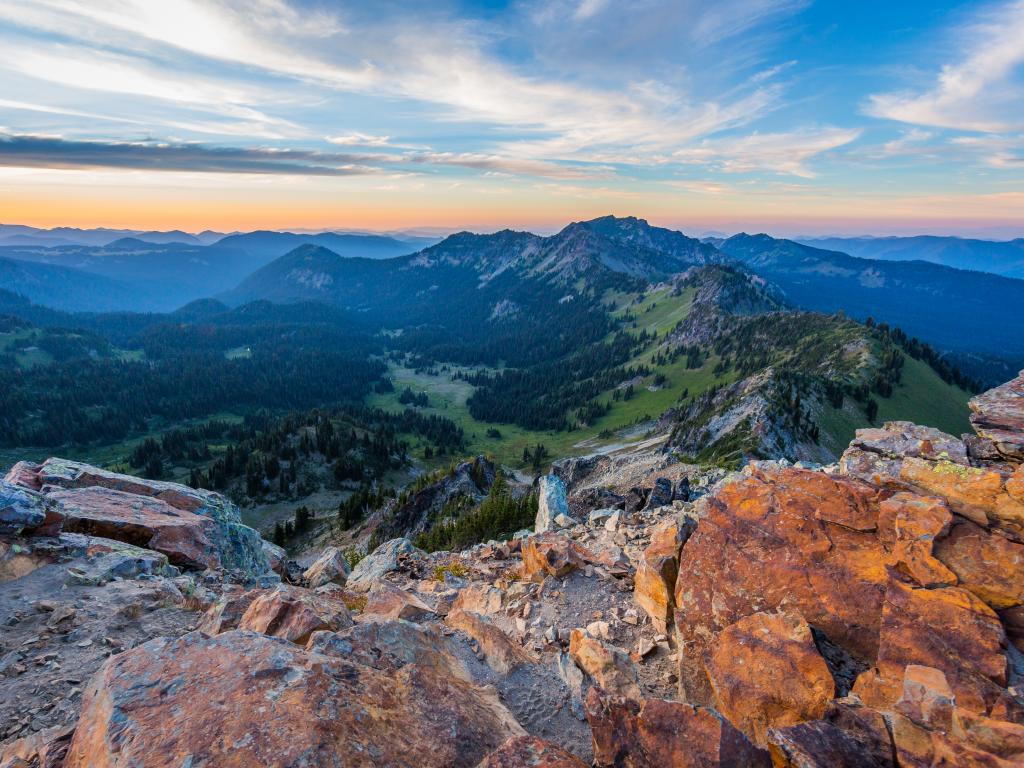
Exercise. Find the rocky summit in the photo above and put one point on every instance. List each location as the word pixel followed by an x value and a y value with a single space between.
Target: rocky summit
pixel 865 613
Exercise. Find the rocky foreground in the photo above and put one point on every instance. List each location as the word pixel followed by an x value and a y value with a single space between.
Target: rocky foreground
pixel 868 613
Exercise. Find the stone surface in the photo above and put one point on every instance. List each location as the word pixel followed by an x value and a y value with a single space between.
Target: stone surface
pixel 608 666
pixel 766 672
pixel 241 699
pixel 20 508
pixel 383 560
pixel 988 565
pixel 655 578
pixel 551 502
pixel 845 737
pixel 787 538
pixel 654 733
pixel 549 554
pixel 330 568
pixel 502 655
pixel 530 752
pixel 386 601
pixel 908 525
pixel 293 613
pixel 227 612
pixel 999 416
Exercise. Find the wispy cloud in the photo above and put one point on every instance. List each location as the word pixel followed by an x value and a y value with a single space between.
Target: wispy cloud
pixel 785 153
pixel 982 92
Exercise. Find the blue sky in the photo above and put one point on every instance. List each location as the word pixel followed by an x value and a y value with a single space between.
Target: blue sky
pixel 784 115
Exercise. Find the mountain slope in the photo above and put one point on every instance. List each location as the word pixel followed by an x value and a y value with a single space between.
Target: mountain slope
pixel 263 246
pixel 72 290
pixel 952 309
pixel 999 257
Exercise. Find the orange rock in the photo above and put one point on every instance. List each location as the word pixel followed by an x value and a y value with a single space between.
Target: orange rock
pixel 985 563
pixel 847 736
pixel 766 672
pixel 948 629
pixel 1013 622
pixel 654 733
pixel 770 541
pixel 386 601
pixel 530 752
pixel 549 554
pixel 909 524
pixel 228 611
pixel 294 613
pixel 999 415
pixel 976 493
pixel 241 699
pixel 608 666
pixel 186 538
pixel 501 653
pixel 42 749
pixel 655 580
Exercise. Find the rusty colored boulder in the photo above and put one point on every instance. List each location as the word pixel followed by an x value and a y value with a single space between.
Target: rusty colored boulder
pixel 241 699
pixel 847 736
pixel 987 564
pixel 977 493
pixel 42 749
pixel 386 601
pixel 530 752
pixel 948 629
pixel 999 416
pixel 185 537
pixel 330 568
pixel 908 525
pixel 791 538
pixel 766 672
pixel 608 666
pixel 549 554
pixel 227 612
pixel 294 613
pixel 501 653
pixel 655 580
pixel 654 733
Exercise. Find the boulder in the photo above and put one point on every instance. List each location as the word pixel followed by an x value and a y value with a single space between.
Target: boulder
pixel 386 601
pixel 948 629
pixel 383 560
pixel 652 733
pixel 989 565
pixel 20 508
pixel 661 494
pixel 550 554
pixel 608 666
pixel 973 492
pixel 76 488
pixel 655 578
pixel 999 416
pixel 330 568
pixel 227 612
pixel 847 736
pixel 502 655
pixel 43 749
pixel 293 614
pixel 766 672
pixel 243 699
pixel 908 525
pixel 276 556
pixel 530 752
pixel 551 502
pixel 789 538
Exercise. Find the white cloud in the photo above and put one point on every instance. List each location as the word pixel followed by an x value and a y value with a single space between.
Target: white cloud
pixel 983 92
pixel 359 140
pixel 777 152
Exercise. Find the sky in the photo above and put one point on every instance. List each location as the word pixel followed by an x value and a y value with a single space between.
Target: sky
pixel 787 116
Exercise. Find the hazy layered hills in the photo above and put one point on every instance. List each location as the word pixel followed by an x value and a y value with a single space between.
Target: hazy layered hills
pixel 950 308
pixel 1002 257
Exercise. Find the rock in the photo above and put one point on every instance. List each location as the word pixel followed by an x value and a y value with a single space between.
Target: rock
pixel 227 612
pixel 948 629
pixel 293 614
pixel 242 699
pixel 900 439
pixel 999 416
pixel 766 672
pixel 238 547
pixel 909 525
pixel 383 560
pixel 654 733
pixel 42 749
pixel 655 578
pixel 549 554
pixel 599 516
pixel 479 598
pixel 846 737
pixel 988 565
pixel 551 502
pixel 145 521
pixel 976 493
pixel 502 655
pixel 20 508
pixel 612 523
pixel 530 752
pixel 609 667
pixel 564 521
pixel 785 538
pixel 276 556
pixel 386 601
pixel 661 495
pixel 682 490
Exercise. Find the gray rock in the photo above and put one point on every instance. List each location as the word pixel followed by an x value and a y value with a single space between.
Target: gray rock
pixel 330 568
pixel 551 503
pixel 598 516
pixel 382 560
pixel 20 508
pixel 565 521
